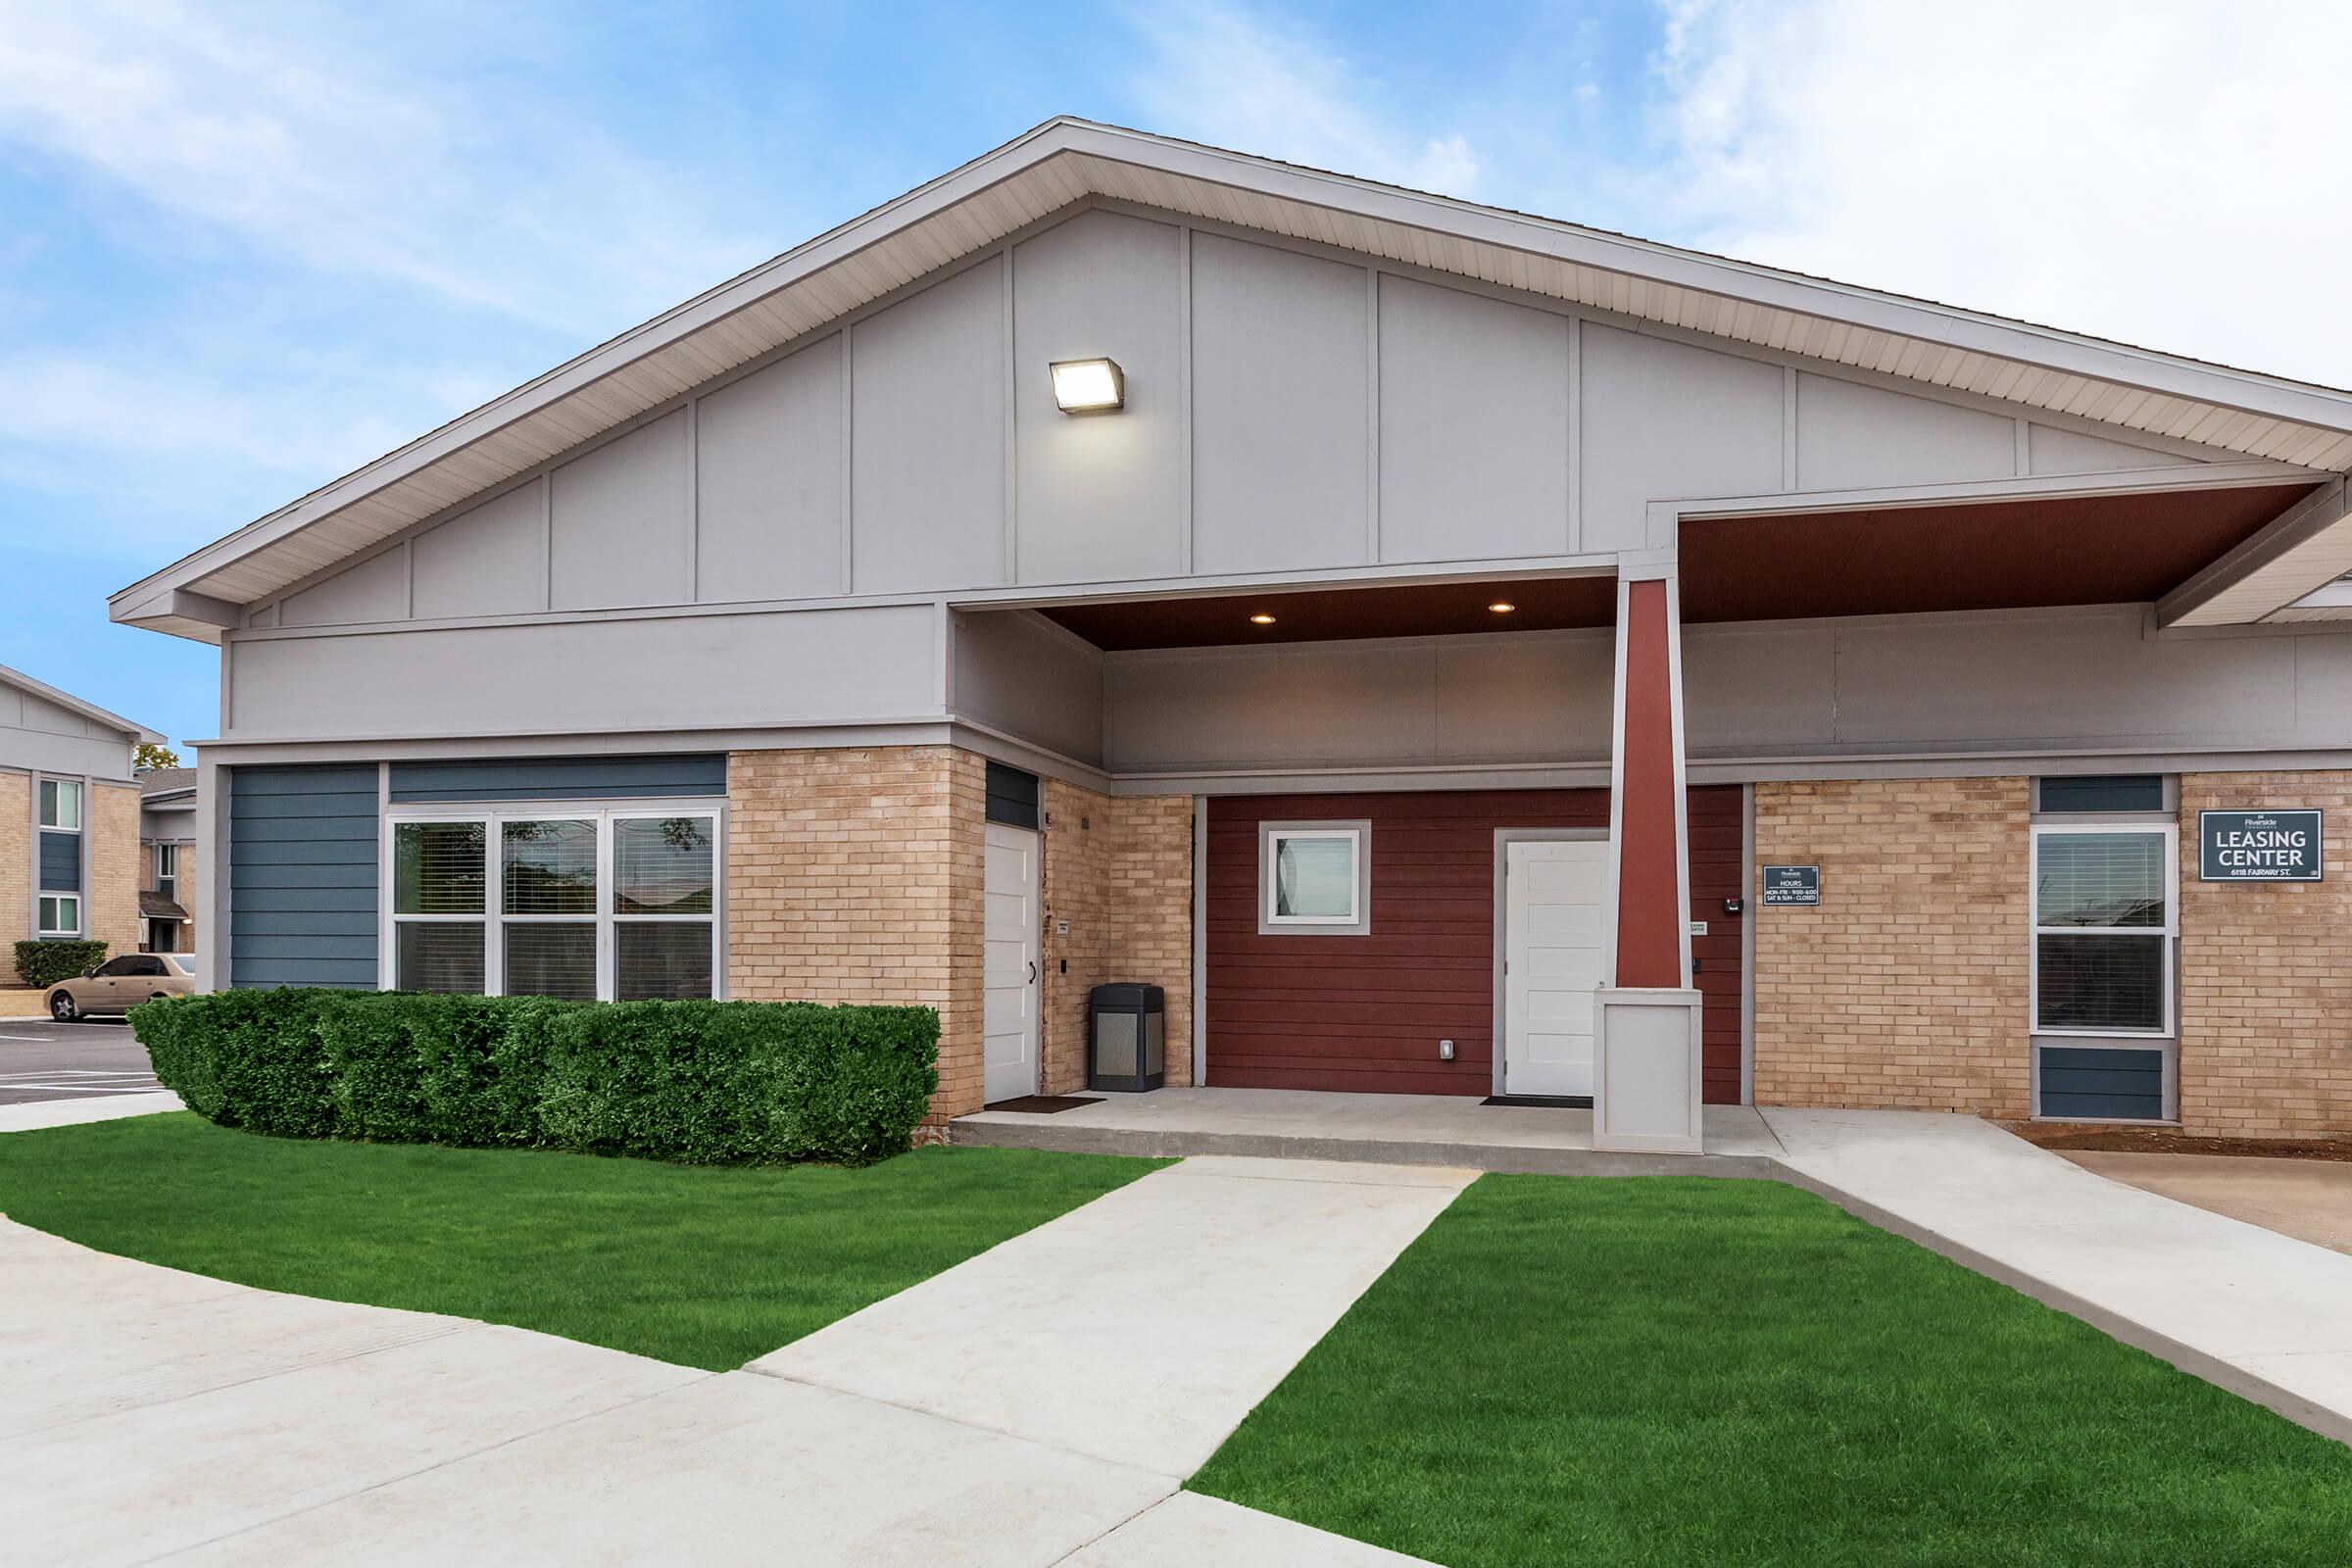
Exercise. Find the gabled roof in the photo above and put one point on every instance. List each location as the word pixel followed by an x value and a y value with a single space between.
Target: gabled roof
pixel 89 711
pixel 1067 159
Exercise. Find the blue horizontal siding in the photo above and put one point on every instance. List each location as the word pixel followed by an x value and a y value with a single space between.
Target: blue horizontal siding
pixel 561 778
pixel 61 863
pixel 303 852
pixel 2080 1081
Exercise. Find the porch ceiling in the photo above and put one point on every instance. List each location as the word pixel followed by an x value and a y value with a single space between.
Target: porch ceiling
pixel 1392 609
pixel 2008 555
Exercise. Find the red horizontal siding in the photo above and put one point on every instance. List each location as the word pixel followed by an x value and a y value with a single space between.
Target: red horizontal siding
pixel 1368 1013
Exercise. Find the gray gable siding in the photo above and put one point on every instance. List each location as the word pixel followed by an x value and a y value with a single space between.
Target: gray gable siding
pixel 582 778
pixel 1286 410
pixel 303 848
pixel 61 863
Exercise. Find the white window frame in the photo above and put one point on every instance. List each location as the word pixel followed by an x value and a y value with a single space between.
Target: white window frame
pixel 2170 931
pixel 45 931
pixel 57 788
pixel 167 875
pixel 493 920
pixel 1358 922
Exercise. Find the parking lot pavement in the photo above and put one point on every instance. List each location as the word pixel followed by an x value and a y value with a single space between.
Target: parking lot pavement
pixel 42 1062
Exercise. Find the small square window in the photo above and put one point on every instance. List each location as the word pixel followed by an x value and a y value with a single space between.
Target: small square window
pixel 60 915
pixel 1315 878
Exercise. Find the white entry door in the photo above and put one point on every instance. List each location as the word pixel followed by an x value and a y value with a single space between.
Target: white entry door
pixel 1556 899
pixel 1011 946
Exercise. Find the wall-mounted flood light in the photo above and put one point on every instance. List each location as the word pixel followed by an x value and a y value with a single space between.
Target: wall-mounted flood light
pixel 1089 386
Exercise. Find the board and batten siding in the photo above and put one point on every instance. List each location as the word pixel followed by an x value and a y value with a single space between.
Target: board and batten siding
pixel 303 851
pixel 306 843
pixel 1287 409
pixel 1366 1013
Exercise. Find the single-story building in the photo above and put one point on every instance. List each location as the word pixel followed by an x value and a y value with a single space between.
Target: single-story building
pixel 68 820
pixel 1450 651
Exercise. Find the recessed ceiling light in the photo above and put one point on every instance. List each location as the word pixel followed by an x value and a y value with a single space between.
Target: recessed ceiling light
pixel 1261 618
pixel 1502 606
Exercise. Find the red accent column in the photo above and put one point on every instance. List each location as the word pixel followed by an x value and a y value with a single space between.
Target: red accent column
pixel 1650 914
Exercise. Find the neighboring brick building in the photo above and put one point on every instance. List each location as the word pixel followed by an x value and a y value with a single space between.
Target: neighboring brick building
pixel 1447 652
pixel 68 820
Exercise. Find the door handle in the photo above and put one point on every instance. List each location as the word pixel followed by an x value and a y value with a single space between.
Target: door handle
pixel 1033 971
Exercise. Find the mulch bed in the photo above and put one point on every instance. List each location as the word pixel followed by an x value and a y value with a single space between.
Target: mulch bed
pixel 2165 1141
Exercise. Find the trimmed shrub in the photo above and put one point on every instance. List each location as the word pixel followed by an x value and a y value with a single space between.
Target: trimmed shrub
pixel 42 965
pixel 696 1082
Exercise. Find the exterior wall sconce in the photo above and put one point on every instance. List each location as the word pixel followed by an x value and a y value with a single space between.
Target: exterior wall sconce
pixel 1089 386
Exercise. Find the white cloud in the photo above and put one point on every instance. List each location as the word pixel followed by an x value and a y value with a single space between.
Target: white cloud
pixel 1220 74
pixel 315 145
pixel 2161 172
pixel 61 401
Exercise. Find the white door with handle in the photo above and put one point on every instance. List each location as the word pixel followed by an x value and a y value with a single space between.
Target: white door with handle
pixel 1555 908
pixel 1011 948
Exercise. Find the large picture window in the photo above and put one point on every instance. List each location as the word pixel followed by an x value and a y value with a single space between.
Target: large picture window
pixel 2105 900
pixel 586 905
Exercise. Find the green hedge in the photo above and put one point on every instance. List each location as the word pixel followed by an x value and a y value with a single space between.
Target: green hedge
pixel 697 1082
pixel 42 965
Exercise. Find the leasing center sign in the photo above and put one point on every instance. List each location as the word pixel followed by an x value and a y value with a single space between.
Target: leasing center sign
pixel 2258 845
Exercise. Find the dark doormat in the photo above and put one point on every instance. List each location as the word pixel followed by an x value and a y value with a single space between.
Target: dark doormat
pixel 1044 1105
pixel 1539 1101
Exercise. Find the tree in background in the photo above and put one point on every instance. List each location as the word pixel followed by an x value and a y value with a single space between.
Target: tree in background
pixel 153 753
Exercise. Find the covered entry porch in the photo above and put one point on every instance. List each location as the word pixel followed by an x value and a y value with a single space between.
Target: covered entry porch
pixel 1379 1128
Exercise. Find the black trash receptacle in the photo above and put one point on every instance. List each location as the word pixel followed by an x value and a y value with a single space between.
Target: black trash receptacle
pixel 1126 1037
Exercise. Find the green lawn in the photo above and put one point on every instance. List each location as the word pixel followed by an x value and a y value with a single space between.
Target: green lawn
pixel 1667 1370
pixel 706 1267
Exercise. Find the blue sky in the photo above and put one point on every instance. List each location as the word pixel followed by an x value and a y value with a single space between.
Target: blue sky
pixel 244 250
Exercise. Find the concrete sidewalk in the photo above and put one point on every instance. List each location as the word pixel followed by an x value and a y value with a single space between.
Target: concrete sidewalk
pixel 37 1114
pixel 2259 1313
pixel 152 1415
pixel 1184 1297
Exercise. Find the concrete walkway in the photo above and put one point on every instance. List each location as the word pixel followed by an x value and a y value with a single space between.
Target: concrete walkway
pixel 2262 1314
pixel 37 1114
pixel 1184 1297
pixel 151 1415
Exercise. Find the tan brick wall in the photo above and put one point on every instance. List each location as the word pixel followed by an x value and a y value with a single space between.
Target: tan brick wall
pixel 1120 871
pixel 2266 973
pixel 188 894
pixel 113 825
pixel 855 875
pixel 16 869
pixel 1908 986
